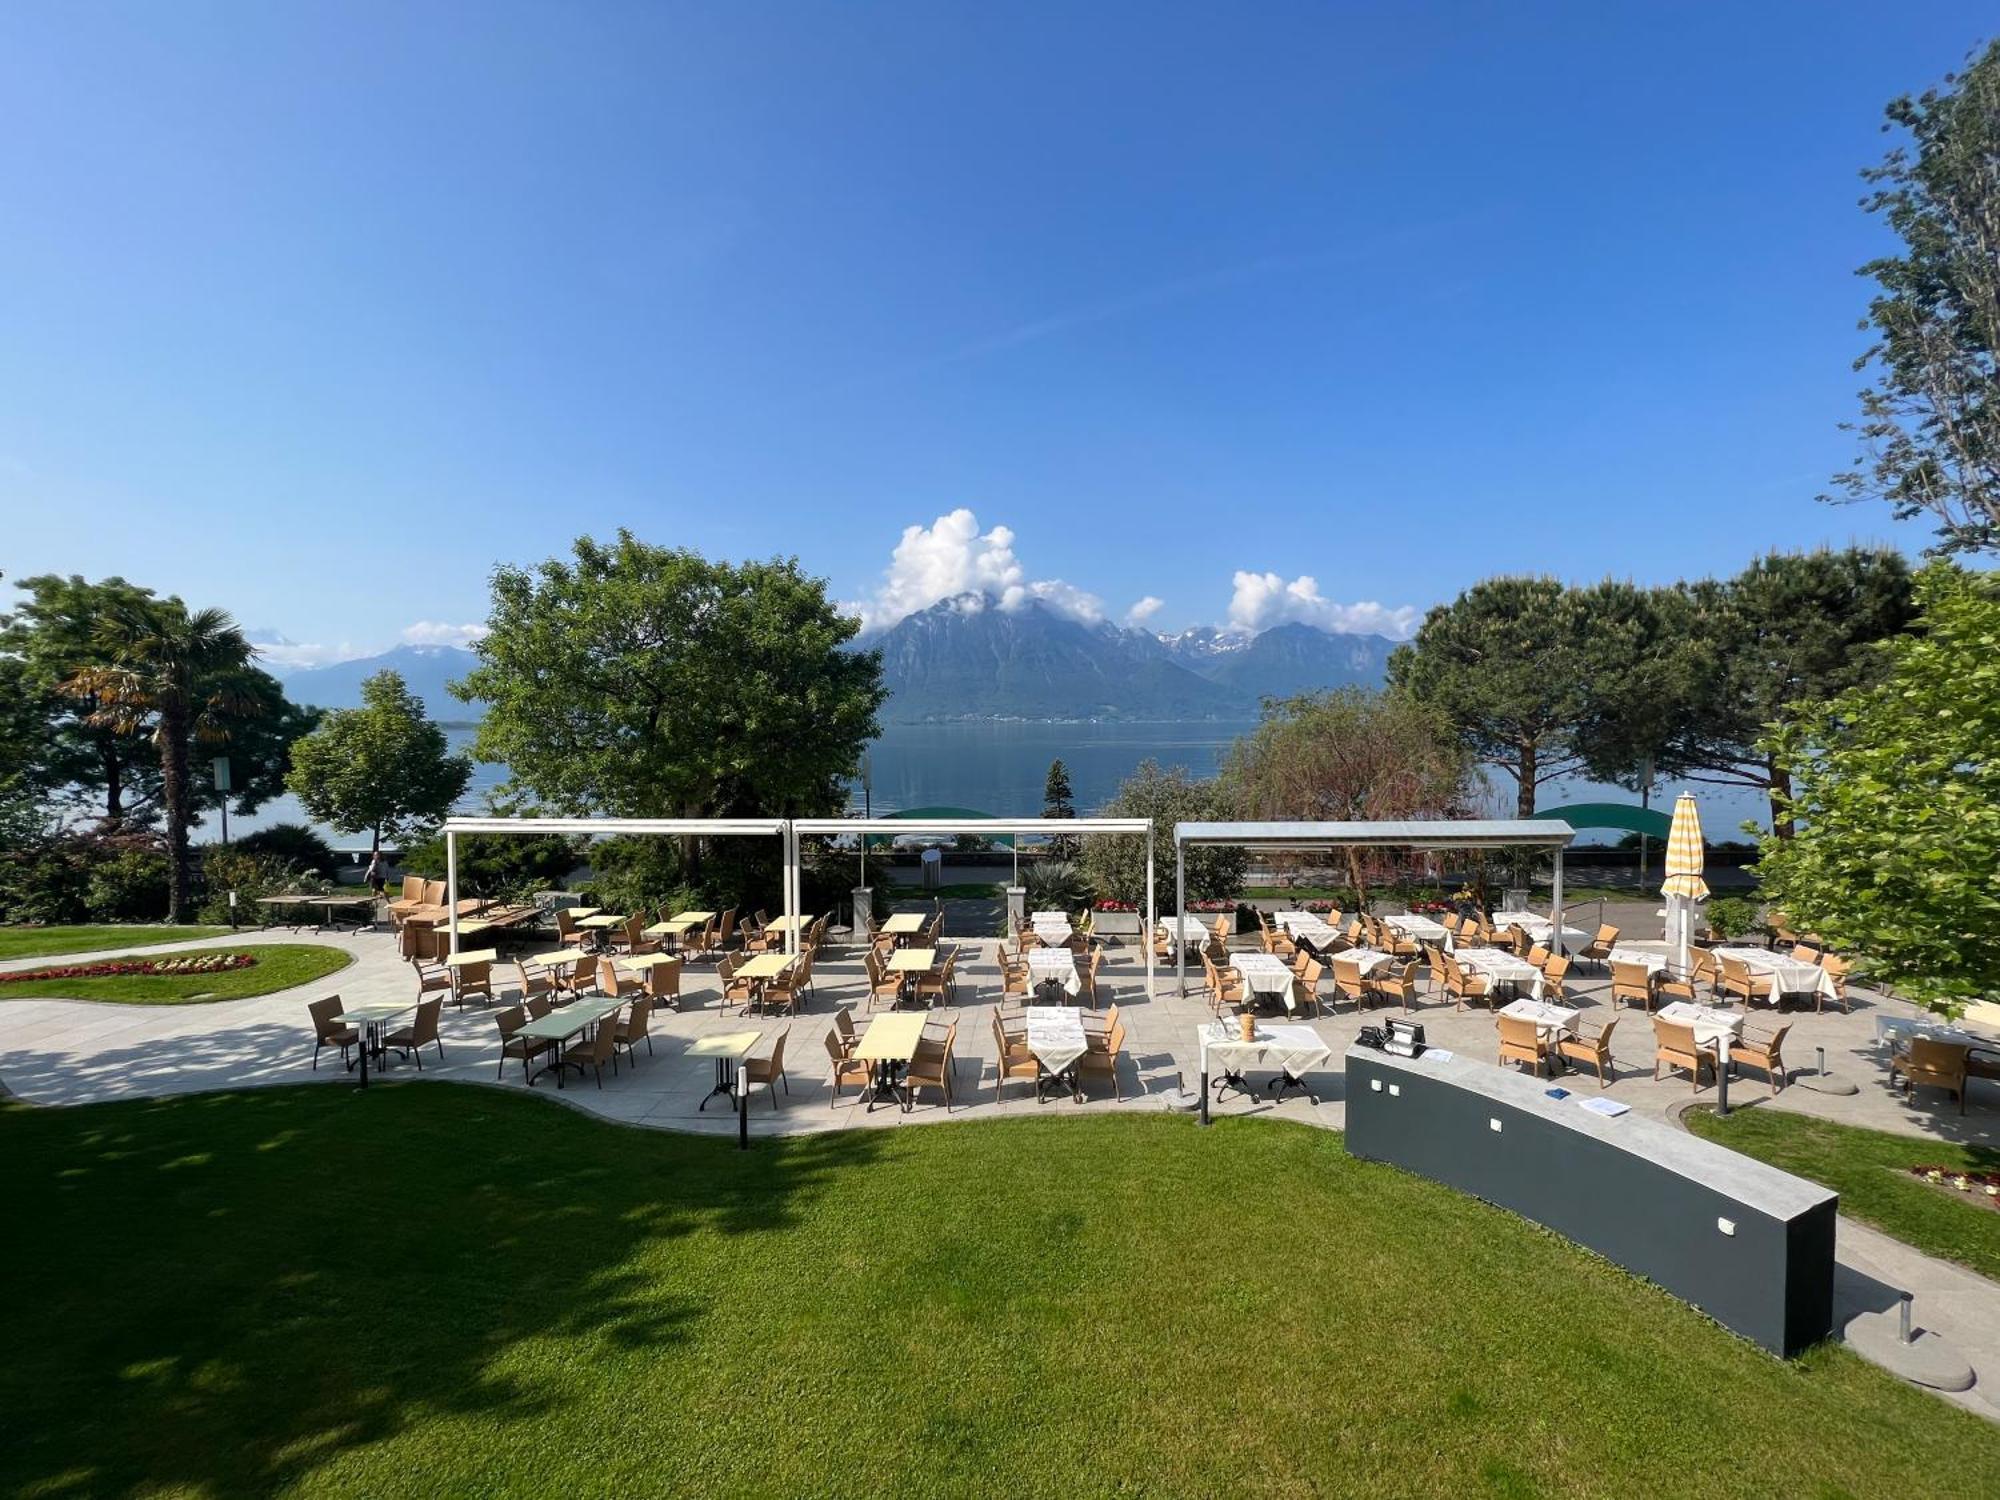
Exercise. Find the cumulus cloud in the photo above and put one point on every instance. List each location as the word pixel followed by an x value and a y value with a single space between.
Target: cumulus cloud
pixel 952 559
pixel 281 653
pixel 1262 600
pixel 1144 610
pixel 437 633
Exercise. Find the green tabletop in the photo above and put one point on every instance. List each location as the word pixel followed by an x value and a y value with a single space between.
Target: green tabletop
pixel 561 1024
pixel 376 1011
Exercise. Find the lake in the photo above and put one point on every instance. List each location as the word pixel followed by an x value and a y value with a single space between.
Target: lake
pixel 999 766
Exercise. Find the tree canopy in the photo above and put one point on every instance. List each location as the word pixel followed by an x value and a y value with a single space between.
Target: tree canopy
pixel 651 682
pixel 1116 863
pixel 1930 421
pixel 1896 786
pixel 382 769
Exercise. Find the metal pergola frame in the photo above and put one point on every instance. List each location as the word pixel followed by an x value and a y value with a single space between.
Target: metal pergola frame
pixel 776 828
pixel 1433 833
pixel 1046 827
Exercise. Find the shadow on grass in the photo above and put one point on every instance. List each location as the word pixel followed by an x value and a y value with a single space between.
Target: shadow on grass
pixel 227 1291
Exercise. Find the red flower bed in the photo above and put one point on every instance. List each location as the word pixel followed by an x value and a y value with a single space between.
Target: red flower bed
pixel 113 968
pixel 1108 905
pixel 1981 1187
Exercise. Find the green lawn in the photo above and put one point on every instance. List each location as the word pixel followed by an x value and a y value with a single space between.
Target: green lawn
pixel 279 966
pixel 965 891
pixel 34 942
pixel 1866 1168
pixel 436 1289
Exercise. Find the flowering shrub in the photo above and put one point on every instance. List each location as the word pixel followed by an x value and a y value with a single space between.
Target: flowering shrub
pixel 112 968
pixel 1984 1185
pixel 1109 905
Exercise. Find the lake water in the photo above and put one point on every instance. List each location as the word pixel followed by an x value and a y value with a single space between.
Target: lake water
pixel 999 767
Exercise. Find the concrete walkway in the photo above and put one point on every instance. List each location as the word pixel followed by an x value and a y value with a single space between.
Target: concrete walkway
pixel 72 1052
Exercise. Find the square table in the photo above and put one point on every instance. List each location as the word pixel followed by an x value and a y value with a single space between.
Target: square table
pixel 560 1025
pixel 637 961
pixel 1423 929
pixel 466 956
pixel 1059 964
pixel 1297 1049
pixel 890 1042
pixel 558 958
pixel 1653 963
pixel 790 922
pixel 905 923
pixel 728 1048
pixel 1551 1021
pixel 1057 1039
pixel 1183 929
pixel 369 1018
pixel 1789 976
pixel 1501 967
pixel 601 921
pixel 1264 974
pixel 1538 928
pixel 1712 1028
pixel 910 962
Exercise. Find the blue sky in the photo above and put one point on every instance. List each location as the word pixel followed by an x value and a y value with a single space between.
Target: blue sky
pixel 317 312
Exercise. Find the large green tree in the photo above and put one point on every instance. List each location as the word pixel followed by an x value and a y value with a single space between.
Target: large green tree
pixel 1930 421
pixel 1789 630
pixel 1351 755
pixel 1505 663
pixel 1896 787
pixel 1059 801
pixel 382 769
pixel 1116 863
pixel 169 673
pixel 53 636
pixel 649 681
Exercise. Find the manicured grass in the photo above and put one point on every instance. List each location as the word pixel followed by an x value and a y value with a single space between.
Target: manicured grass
pixel 971 891
pixel 1867 1169
pixel 34 942
pixel 279 966
pixel 435 1289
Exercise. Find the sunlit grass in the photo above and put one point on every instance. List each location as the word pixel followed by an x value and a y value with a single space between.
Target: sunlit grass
pixel 279 966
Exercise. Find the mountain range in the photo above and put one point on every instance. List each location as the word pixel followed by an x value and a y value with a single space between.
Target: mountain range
pixel 967 658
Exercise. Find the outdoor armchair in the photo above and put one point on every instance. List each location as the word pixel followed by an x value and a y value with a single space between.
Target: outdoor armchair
pixel 1762 1047
pixel 930 1065
pixel 533 981
pixel 1598 949
pixel 433 977
pixel 1633 984
pixel 422 1032
pixel 1555 975
pixel 472 979
pixel 328 1030
pixel 635 1025
pixel 600 1048
pixel 1924 1063
pixel 1102 1054
pixel 1013 1061
pixel 1591 1044
pixel 662 982
pixel 1521 1042
pixel 1739 983
pixel 1347 984
pixel 1392 984
pixel 1674 1046
pixel 509 1021
pixel 769 1071
pixel 1836 969
pixel 844 1067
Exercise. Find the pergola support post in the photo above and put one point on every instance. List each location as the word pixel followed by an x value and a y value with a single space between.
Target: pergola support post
pixel 1180 911
pixel 1556 903
pixel 1152 920
pixel 451 886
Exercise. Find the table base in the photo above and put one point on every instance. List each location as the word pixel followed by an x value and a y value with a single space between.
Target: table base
pixel 725 1081
pixel 884 1081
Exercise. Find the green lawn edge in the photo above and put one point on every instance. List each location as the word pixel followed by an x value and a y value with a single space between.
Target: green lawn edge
pixel 279 966
pixel 101 937
pixel 1868 1168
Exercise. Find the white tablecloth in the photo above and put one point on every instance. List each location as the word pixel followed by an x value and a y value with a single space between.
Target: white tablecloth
pixel 1789 976
pixel 1263 973
pixel 1895 1030
pixel 1296 1049
pixel 1423 929
pixel 1367 960
pixel 1550 1020
pixel 1711 1027
pixel 1055 934
pixel 1186 929
pixel 1501 967
pixel 1055 1035
pixel 1655 963
pixel 1539 928
pixel 1053 963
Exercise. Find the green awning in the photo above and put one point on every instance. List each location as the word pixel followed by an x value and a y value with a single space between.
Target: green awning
pixel 1626 817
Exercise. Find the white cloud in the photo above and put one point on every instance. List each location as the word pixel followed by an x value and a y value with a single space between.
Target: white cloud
pixel 437 633
pixel 1144 610
pixel 1262 600
pixel 281 652
pixel 952 559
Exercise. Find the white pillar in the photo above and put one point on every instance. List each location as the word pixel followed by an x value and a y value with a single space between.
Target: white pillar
pixel 1180 910
pixel 1556 904
pixel 451 883
pixel 1146 931
pixel 788 846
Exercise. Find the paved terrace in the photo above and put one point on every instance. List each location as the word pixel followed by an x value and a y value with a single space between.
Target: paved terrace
pixel 71 1052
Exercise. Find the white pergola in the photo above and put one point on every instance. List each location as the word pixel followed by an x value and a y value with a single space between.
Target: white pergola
pixel 1044 827
pixel 776 828
pixel 1432 833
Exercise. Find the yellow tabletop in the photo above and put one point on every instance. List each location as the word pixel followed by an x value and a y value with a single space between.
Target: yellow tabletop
pixel 910 960
pixel 602 919
pixel 905 922
pixel 695 916
pixel 675 925
pixel 890 1039
pixel 578 913
pixel 784 924
pixel 473 927
pixel 466 956
pixel 649 961
pixel 560 956
pixel 764 966
pixel 730 1043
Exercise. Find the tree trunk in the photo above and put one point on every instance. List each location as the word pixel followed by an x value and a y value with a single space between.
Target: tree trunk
pixel 374 843
pixel 173 796
pixel 1780 785
pixel 114 780
pixel 1356 878
pixel 1524 772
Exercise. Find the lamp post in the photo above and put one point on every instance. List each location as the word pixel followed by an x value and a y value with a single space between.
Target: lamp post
pixel 221 768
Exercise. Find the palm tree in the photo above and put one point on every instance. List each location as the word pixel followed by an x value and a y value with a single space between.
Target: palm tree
pixel 163 667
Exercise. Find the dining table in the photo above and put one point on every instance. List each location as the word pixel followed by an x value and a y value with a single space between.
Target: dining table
pixel 1057 1039
pixel 1264 974
pixel 1501 967
pixel 1540 929
pixel 729 1049
pixel 1054 965
pixel 761 968
pixel 888 1045
pixel 907 963
pixel 1423 929
pixel 560 1025
pixel 368 1017
pixel 1788 975
pixel 1296 1049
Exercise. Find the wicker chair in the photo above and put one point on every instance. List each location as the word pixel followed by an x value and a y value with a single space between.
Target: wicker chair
pixel 1521 1042
pixel 328 1032
pixel 1739 983
pixel 636 1025
pixel 527 1048
pixel 930 1065
pixel 1591 1044
pixel 769 1071
pixel 1674 1046
pixel 1632 984
pixel 599 1049
pixel 844 1066
pixel 1925 1063
pixel 1014 1060
pixel 1598 949
pixel 1762 1048
pixel 1102 1055
pixel 422 1032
